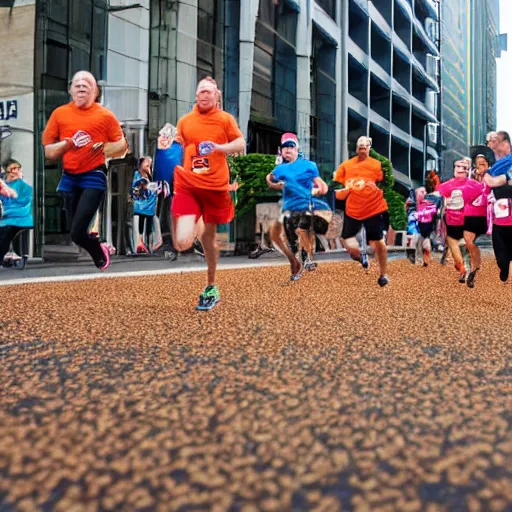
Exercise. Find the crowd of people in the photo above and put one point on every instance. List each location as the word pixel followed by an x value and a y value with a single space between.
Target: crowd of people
pixel 475 202
pixel 191 166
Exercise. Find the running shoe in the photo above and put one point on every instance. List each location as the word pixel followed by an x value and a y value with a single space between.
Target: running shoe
pixel 209 298
pixel 198 248
pixel 461 269
pixel 105 263
pixel 383 281
pixel 310 265
pixel 297 275
pixel 411 255
pixel 142 249
pixel 259 251
pixel 365 262
pixel 444 256
pixel 470 281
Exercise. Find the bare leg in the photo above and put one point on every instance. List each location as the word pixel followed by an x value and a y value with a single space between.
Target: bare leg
pixel 381 252
pixel 200 228
pixel 456 253
pixel 352 247
pixel 184 230
pixel 275 236
pixel 474 251
pixel 307 240
pixel 211 250
pixel 427 251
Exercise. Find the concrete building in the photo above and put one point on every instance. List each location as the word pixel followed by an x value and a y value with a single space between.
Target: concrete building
pixel 329 70
pixel 470 45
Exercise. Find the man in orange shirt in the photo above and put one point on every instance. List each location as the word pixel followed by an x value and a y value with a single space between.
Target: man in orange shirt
pixel 201 185
pixel 83 132
pixel 364 205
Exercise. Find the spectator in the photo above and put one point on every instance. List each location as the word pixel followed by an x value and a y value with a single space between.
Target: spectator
pixel 17 207
pixel 144 202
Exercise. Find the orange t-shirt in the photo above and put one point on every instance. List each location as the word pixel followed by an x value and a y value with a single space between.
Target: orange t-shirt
pixel 363 202
pixel 99 122
pixel 211 171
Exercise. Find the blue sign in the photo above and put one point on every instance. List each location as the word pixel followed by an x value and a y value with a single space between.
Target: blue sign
pixel 8 110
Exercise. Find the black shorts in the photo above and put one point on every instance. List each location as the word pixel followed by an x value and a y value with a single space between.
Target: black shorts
pixel 305 220
pixel 476 225
pixel 455 232
pixel 373 226
pixel 425 229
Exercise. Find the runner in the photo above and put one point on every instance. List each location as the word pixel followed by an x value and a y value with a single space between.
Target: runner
pixel 426 212
pixel 365 204
pixel 201 185
pixel 303 213
pixel 499 179
pixel 82 133
pixel 475 215
pixel 458 192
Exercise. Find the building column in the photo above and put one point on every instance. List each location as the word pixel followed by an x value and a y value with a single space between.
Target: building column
pixel 304 34
pixel 186 56
pixel 342 137
pixel 248 13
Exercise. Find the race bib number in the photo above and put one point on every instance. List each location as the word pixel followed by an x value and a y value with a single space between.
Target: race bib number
pixel 200 164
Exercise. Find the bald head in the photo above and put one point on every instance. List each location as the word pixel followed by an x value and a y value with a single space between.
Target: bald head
pixel 207 94
pixel 84 89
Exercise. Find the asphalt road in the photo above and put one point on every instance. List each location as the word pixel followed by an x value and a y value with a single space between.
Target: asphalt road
pixel 326 394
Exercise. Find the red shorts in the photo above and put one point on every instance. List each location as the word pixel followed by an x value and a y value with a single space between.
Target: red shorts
pixel 216 207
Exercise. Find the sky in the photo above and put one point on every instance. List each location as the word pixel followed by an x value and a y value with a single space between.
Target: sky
pixel 504 67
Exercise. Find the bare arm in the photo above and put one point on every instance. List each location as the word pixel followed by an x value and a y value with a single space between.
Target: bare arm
pixel 272 184
pixel 115 149
pixel 320 184
pixel 56 150
pixel 235 146
pixel 494 182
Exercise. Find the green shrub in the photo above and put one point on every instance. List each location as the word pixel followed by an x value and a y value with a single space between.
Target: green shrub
pixel 251 171
pixel 396 202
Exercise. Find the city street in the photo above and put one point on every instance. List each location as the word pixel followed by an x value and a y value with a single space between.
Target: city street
pixel 326 394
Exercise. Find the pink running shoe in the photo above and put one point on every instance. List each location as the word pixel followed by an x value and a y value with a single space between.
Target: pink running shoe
pixel 142 249
pixel 106 253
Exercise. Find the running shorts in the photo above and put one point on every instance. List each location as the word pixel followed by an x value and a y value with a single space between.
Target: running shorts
pixel 476 225
pixel 455 232
pixel 373 226
pixel 95 179
pixel 426 229
pixel 306 221
pixel 215 206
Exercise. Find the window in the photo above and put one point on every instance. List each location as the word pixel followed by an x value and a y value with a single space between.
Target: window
pixel 210 40
pixel 275 65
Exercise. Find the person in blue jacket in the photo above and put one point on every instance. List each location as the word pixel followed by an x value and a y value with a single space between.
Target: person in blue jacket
pixel 17 207
pixel 144 196
pixel 168 154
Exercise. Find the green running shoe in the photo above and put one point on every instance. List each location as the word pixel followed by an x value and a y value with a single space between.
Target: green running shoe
pixel 209 298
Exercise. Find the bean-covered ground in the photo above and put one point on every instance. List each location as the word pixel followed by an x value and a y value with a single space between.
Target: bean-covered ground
pixel 326 394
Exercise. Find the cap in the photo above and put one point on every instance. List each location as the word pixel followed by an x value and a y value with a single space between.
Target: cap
pixel 289 140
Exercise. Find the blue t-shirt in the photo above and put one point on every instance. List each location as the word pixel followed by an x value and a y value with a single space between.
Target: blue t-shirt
pixel 298 180
pixel 502 167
